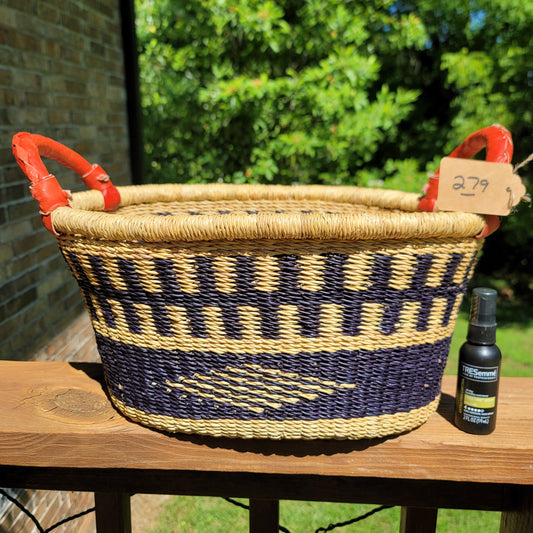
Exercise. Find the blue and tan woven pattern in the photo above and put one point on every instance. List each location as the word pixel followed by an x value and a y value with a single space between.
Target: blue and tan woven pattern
pixel 270 338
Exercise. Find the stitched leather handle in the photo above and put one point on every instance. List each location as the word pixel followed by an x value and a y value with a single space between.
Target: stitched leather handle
pixel 28 149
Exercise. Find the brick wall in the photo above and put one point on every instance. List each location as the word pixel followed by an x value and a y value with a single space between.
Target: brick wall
pixel 49 508
pixel 61 75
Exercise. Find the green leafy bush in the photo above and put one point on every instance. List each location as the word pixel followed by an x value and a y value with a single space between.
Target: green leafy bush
pixel 263 91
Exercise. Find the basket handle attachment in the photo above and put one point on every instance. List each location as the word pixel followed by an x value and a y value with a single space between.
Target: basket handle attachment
pixel 28 149
pixel 499 144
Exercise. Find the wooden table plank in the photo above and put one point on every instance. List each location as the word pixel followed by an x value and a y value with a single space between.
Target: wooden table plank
pixel 55 419
pixel 386 491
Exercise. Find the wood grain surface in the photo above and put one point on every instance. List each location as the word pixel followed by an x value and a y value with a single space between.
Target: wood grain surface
pixel 55 419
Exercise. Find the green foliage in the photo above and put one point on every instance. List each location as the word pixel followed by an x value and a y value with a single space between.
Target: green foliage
pixel 264 91
pixel 336 92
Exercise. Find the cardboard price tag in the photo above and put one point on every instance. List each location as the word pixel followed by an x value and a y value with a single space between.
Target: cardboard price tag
pixel 479 187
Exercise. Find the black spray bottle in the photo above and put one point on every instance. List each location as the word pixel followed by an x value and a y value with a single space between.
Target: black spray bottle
pixel 479 368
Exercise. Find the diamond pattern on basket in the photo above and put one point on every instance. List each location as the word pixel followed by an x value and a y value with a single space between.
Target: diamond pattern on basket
pixel 255 388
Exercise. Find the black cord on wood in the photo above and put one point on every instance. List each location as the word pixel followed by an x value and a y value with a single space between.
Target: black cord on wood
pixel 353 520
pixel 31 516
pixel 322 529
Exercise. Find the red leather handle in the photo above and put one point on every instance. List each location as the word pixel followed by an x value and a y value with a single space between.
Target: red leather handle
pixel 28 149
pixel 499 144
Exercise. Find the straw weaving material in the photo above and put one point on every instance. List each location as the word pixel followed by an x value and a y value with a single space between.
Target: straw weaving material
pixel 269 311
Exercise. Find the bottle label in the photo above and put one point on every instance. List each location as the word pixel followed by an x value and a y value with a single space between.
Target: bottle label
pixel 477 401
pixel 479 374
pixel 478 408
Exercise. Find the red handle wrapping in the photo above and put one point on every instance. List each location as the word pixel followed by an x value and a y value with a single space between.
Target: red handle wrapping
pixel 499 144
pixel 28 149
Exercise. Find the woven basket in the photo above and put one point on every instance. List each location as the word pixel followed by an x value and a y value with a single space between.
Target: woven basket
pixel 251 311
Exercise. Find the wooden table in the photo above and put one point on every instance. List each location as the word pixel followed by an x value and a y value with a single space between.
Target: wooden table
pixel 59 431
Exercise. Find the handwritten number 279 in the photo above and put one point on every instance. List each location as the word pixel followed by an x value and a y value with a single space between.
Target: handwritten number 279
pixel 469 185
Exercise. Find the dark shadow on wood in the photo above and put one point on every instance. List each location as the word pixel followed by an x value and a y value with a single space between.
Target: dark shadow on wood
pixel 446 407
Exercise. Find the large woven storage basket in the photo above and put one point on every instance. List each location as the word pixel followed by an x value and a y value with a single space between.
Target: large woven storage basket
pixel 303 312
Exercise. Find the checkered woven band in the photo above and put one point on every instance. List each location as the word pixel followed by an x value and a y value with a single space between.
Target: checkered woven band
pixel 299 339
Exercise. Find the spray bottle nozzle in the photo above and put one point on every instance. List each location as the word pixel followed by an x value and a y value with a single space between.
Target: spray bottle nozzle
pixel 482 324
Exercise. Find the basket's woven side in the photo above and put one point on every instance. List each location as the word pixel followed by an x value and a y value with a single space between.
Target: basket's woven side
pixel 274 339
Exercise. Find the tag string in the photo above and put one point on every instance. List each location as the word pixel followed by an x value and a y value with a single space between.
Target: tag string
pixel 528 159
pixel 510 205
pixel 526 197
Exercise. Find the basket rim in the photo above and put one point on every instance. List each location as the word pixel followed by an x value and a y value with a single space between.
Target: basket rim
pixel 397 218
